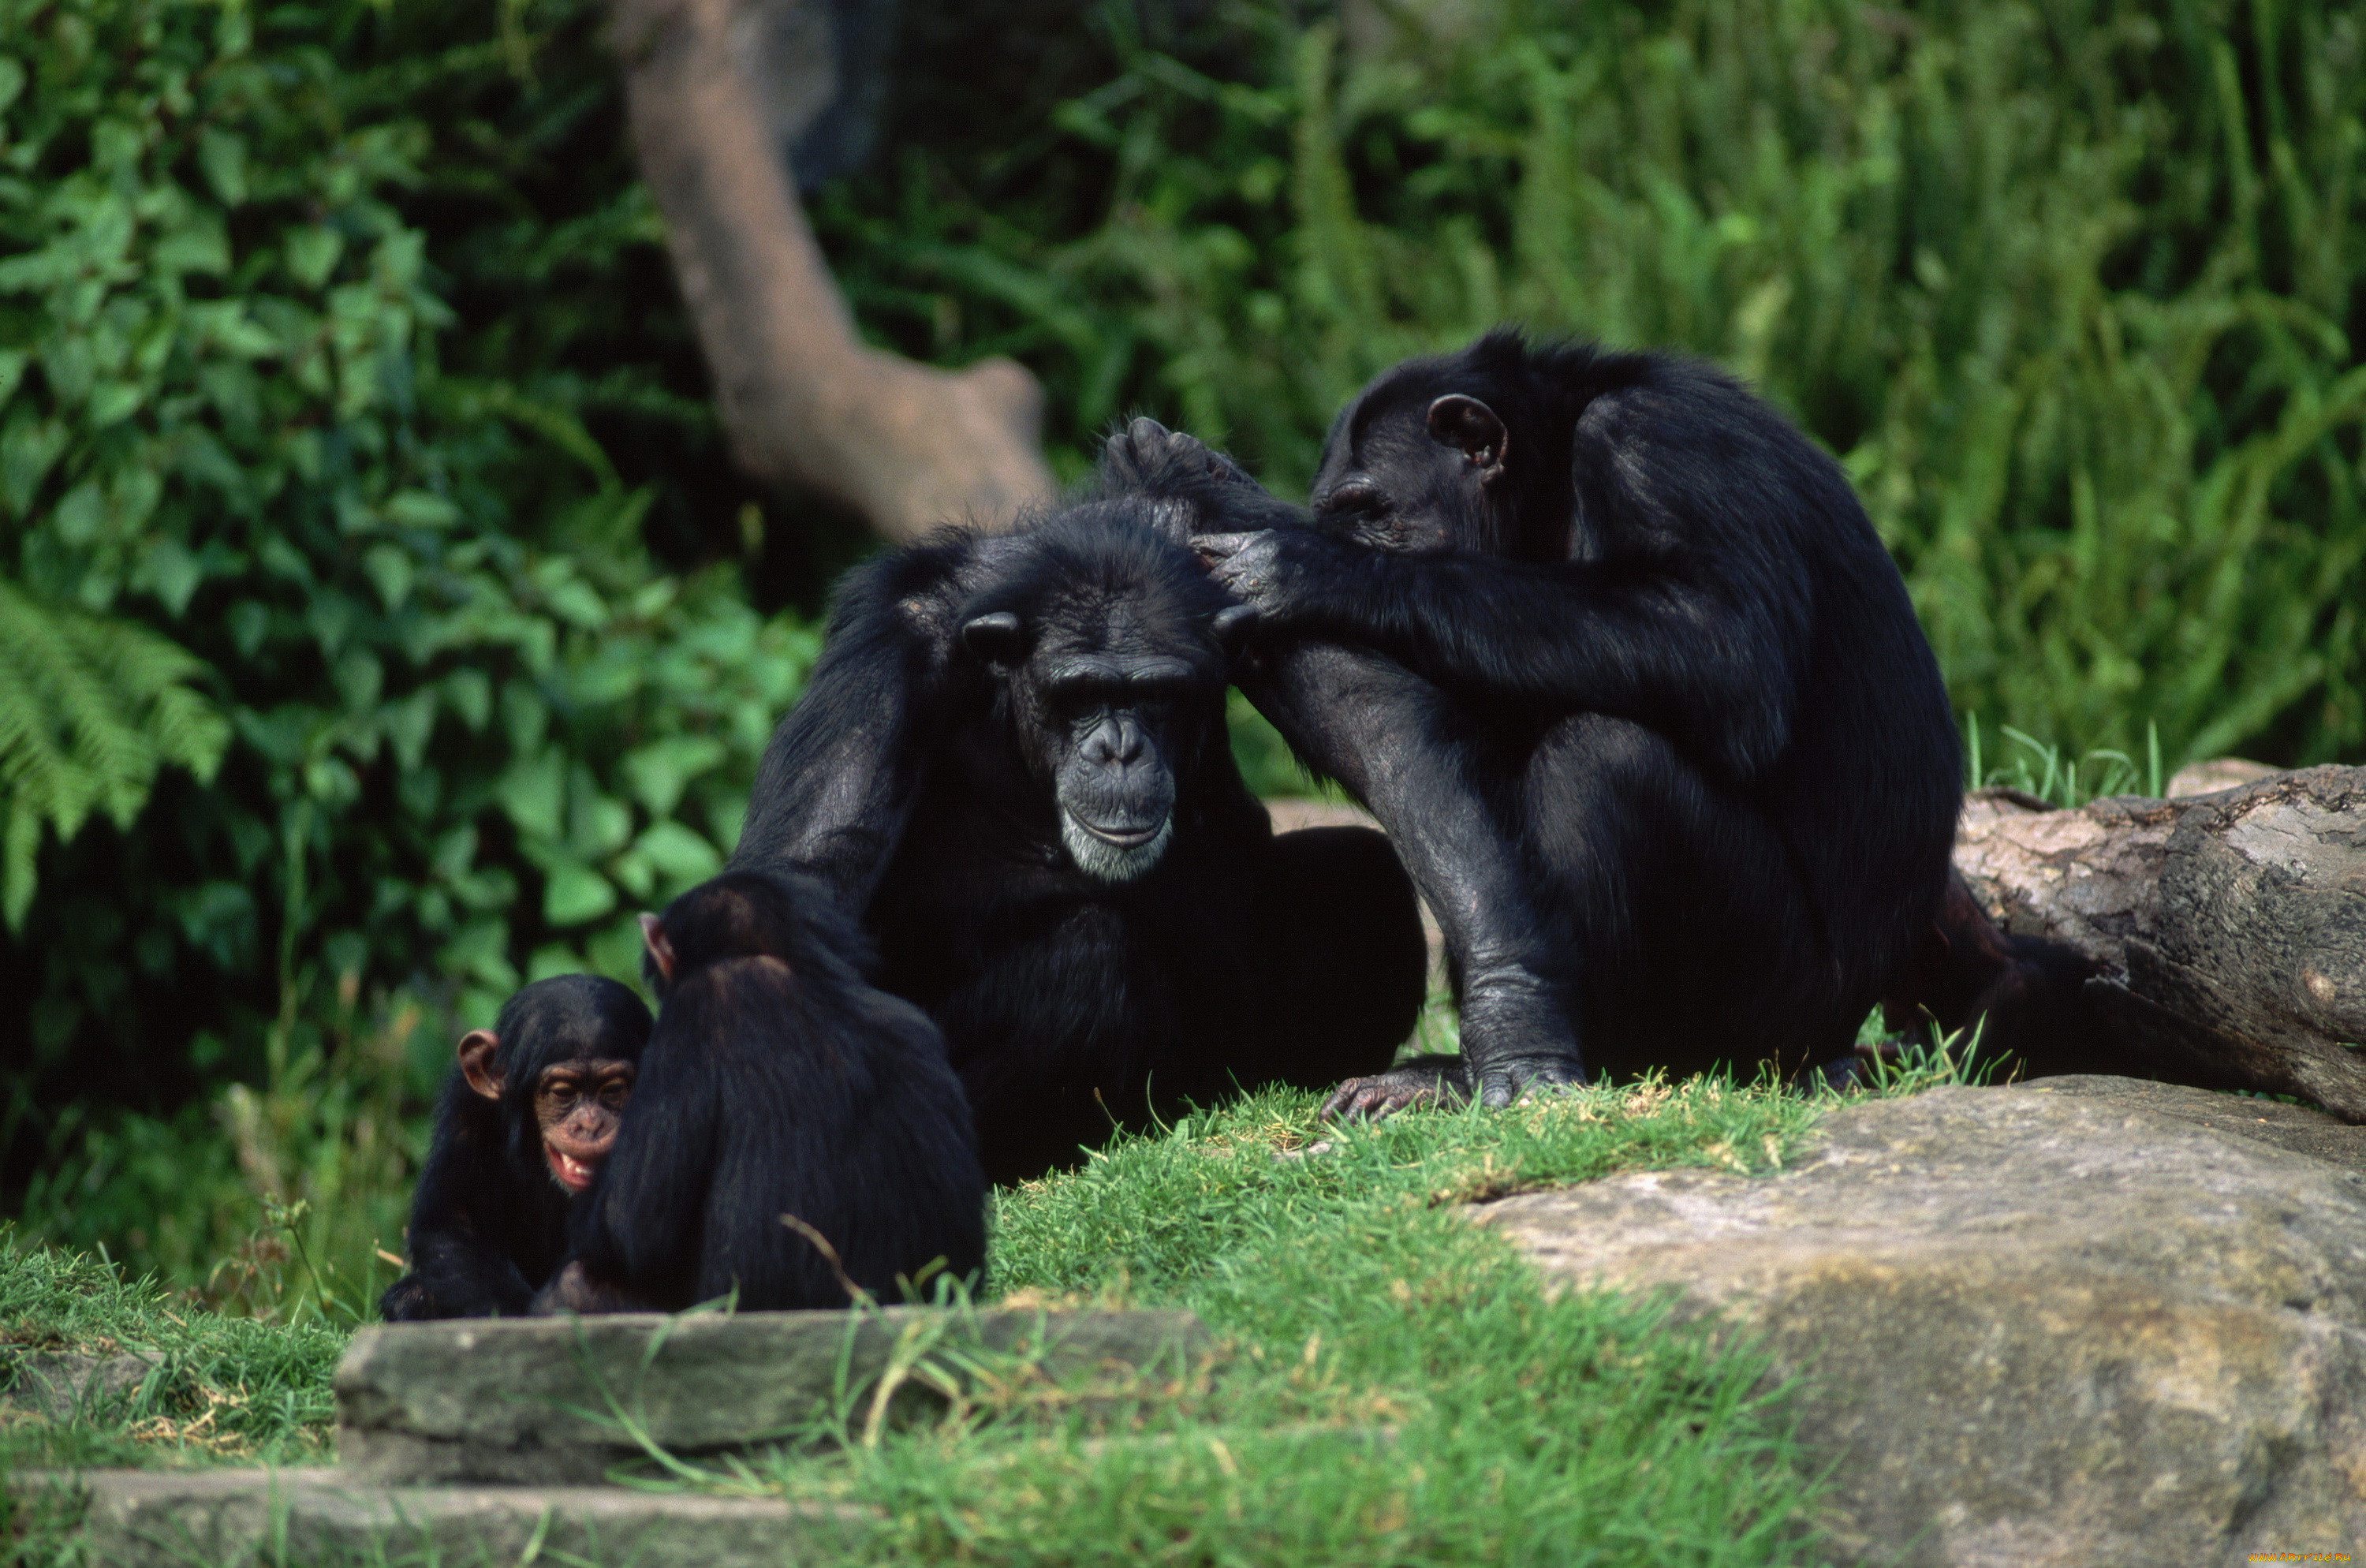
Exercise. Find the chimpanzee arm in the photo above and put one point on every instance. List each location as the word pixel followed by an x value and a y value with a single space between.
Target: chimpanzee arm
pixel 1708 649
pixel 470 1217
pixel 837 782
pixel 456 1273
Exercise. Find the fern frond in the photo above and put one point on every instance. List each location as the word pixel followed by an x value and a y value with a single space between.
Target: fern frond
pixel 90 709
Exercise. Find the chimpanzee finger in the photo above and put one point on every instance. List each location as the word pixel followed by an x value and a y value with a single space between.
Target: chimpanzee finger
pixel 1382 1094
pixel 1216 546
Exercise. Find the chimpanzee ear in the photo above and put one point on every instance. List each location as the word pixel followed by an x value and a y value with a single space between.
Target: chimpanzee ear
pixel 653 937
pixel 476 1048
pixel 999 638
pixel 1470 424
pixel 1233 626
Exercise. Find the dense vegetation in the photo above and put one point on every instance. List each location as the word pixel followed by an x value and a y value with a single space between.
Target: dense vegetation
pixel 379 624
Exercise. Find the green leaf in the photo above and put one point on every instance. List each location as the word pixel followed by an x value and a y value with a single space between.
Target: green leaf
pixel 311 252
pixel 658 772
pixel 533 792
pixel 420 509
pixel 679 854
pixel 391 571
pixel 28 449
pixel 110 402
pixel 573 893
pixel 222 155
pixel 167 568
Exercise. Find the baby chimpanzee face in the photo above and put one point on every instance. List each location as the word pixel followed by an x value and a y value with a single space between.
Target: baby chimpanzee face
pixel 578 1105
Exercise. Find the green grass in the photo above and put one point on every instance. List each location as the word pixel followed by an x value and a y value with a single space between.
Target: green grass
pixel 1401 1390
pixel 1397 1386
pixel 220 1389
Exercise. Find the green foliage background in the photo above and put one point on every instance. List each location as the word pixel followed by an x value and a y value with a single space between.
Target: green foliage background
pixel 380 622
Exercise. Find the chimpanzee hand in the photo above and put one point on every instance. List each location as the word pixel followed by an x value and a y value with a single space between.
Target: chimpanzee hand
pixel 1277 572
pixel 1145 453
pixel 1150 460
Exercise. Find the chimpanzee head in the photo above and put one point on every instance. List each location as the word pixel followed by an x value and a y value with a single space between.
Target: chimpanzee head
pixel 1110 649
pixel 782 916
pixel 1451 451
pixel 559 1060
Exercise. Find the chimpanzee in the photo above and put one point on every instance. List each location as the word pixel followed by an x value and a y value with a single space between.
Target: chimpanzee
pixel 796 1131
pixel 1616 657
pixel 527 1116
pixel 1011 758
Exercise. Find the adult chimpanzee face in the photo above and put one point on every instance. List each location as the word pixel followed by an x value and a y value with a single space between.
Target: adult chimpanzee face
pixel 1112 720
pixel 1403 470
pixel 1110 707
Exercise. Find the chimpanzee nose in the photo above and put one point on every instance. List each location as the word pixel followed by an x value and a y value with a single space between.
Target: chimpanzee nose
pixel 1116 742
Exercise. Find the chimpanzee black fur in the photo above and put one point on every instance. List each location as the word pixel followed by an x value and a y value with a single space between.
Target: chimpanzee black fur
pixel 1613 653
pixel 1011 758
pixel 777 1083
pixel 489 1218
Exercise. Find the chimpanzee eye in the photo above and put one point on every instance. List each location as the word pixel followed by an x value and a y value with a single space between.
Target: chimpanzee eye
pixel 1354 496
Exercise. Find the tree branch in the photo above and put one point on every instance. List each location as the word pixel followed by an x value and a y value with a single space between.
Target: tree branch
pixel 801 399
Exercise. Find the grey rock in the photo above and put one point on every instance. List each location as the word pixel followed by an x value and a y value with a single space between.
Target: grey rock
pixel 546 1401
pixel 2032 1326
pixel 2300 1128
pixel 61 1385
pixel 230 1519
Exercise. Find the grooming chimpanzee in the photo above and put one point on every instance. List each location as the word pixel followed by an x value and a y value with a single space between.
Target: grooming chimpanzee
pixel 778 1087
pixel 1614 654
pixel 1011 760
pixel 527 1117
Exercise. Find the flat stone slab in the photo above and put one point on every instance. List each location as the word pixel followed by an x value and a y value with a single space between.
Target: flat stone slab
pixel 2029 1325
pixel 61 1385
pixel 545 1401
pixel 230 1519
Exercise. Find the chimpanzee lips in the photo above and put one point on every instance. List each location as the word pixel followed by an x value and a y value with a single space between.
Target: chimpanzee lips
pixel 1123 838
pixel 1115 854
pixel 573 1174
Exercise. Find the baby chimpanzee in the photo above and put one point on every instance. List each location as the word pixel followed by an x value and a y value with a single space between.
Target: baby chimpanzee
pixel 527 1118
pixel 782 1099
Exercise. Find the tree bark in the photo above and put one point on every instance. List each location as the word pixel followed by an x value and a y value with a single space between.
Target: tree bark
pixel 2228 930
pixel 802 400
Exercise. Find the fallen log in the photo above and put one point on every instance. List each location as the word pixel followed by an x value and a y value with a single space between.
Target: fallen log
pixel 2219 939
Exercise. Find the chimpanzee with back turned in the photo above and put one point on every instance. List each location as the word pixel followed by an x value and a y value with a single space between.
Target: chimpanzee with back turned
pixel 1613 653
pixel 1011 758
pixel 527 1118
pixel 796 1135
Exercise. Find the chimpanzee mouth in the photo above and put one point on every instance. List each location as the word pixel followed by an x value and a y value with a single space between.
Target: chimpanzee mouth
pixel 1123 838
pixel 1114 854
pixel 573 1174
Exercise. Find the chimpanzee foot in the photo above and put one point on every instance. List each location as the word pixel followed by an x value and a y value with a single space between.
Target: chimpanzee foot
pixel 1506 1083
pixel 1516 1034
pixel 1425 1080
